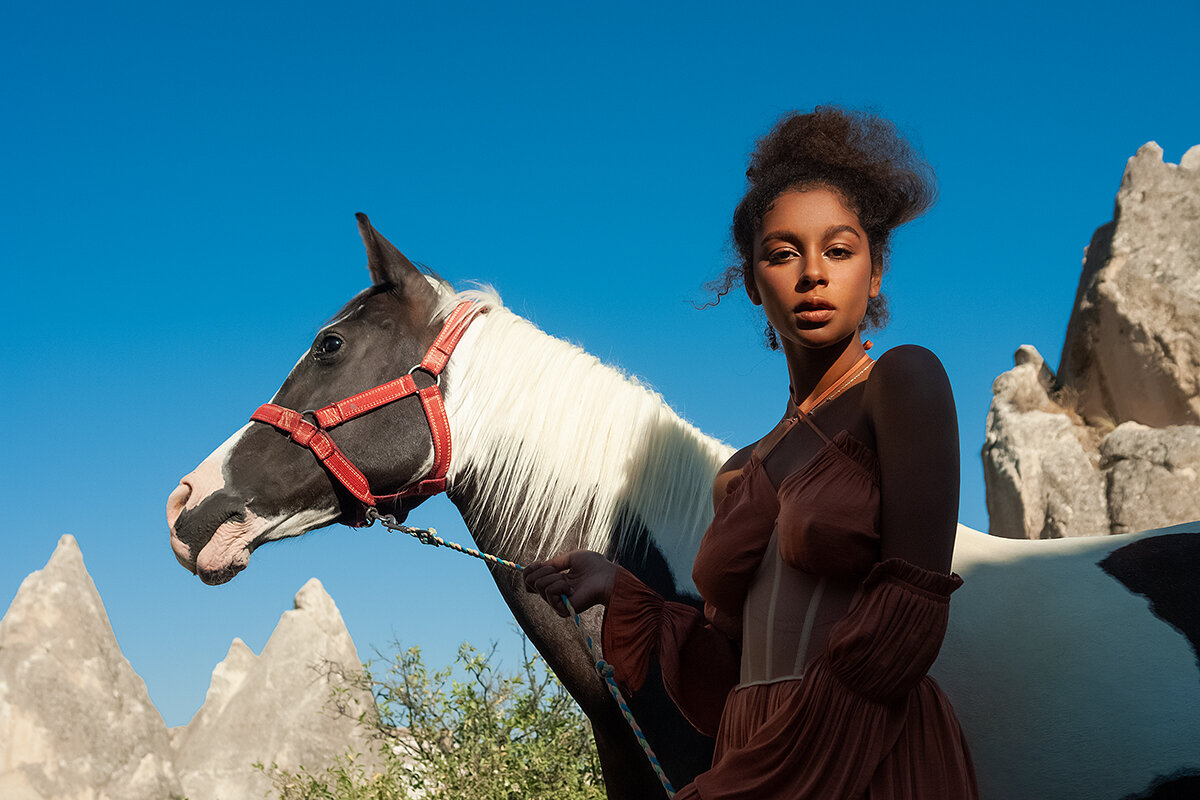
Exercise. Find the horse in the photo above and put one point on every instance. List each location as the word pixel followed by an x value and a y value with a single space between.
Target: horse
pixel 1072 664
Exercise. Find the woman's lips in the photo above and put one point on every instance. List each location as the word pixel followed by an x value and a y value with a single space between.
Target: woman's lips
pixel 813 312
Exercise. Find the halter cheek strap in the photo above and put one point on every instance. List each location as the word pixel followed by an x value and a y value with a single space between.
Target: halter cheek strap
pixel 316 438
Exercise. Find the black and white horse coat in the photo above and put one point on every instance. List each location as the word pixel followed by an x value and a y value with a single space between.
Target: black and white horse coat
pixel 1074 664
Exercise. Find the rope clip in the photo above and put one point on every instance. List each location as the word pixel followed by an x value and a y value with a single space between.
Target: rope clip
pixel 423 535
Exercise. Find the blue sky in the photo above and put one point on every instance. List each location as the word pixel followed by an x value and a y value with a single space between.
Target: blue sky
pixel 176 220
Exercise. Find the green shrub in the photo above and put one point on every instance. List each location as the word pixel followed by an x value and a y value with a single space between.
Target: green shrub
pixel 490 736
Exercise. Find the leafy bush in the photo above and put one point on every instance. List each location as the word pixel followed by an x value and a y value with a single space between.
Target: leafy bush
pixel 490 736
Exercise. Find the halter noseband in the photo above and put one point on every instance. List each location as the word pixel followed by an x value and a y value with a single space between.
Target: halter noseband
pixel 316 438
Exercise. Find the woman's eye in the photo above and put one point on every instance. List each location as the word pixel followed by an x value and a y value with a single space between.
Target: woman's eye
pixel 327 345
pixel 781 255
pixel 839 252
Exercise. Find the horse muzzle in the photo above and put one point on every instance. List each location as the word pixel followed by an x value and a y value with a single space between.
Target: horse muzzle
pixel 215 537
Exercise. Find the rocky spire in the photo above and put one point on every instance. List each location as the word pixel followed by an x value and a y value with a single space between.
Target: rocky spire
pixel 276 707
pixel 75 719
pixel 1131 351
pixel 1111 444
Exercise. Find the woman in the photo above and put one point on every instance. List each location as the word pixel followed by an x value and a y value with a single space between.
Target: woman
pixel 825 572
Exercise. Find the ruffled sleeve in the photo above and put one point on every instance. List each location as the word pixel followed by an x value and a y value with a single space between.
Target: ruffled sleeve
pixel 893 632
pixel 697 654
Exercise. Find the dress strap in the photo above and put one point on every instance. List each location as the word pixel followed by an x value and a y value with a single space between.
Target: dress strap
pixel 761 455
pixel 861 368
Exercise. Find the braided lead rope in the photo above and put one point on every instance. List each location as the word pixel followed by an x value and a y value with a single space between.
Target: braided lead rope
pixel 429 536
pixel 606 671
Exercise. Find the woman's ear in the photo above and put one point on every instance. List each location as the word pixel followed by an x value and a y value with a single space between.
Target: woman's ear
pixel 876 282
pixel 752 290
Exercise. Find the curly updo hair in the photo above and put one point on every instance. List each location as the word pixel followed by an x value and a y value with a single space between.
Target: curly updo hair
pixel 861 157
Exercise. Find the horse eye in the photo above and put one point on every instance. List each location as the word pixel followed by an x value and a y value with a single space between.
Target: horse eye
pixel 329 344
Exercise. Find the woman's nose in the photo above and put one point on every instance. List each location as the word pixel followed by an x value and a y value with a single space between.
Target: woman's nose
pixel 812 273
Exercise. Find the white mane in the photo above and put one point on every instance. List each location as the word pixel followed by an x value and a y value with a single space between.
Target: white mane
pixel 558 441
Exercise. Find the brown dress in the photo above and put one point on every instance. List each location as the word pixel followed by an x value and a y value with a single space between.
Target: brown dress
pixel 807 697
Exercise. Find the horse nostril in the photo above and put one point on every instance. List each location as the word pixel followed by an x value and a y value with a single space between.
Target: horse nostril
pixel 176 501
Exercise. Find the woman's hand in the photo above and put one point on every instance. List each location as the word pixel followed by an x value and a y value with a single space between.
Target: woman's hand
pixel 584 576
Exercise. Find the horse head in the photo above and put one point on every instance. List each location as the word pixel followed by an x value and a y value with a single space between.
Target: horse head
pixel 260 486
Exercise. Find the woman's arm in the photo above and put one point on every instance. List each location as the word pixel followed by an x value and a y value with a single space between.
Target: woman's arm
pixel 911 408
pixel 893 632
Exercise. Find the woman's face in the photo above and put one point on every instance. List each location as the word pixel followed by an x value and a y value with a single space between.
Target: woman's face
pixel 812 270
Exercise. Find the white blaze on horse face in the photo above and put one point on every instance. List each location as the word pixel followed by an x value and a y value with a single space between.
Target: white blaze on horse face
pixel 205 479
pixel 228 551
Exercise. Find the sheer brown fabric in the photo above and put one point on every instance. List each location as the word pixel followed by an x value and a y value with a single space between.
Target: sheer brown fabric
pixel 698 659
pixel 787 617
pixel 827 514
pixel 810 659
pixel 826 532
pixel 864 721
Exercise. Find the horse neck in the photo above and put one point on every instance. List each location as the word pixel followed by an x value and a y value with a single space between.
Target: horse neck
pixel 554 450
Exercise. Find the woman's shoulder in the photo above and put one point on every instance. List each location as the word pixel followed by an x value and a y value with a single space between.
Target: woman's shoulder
pixel 907 381
pixel 907 360
pixel 730 470
pixel 904 366
pixel 738 460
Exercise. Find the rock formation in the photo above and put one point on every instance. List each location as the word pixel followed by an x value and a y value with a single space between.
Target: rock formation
pixel 76 720
pixel 1111 444
pixel 1131 352
pixel 275 708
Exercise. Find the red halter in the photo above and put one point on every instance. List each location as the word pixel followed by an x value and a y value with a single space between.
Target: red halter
pixel 315 438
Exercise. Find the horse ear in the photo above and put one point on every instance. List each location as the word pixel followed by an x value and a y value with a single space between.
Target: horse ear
pixel 388 265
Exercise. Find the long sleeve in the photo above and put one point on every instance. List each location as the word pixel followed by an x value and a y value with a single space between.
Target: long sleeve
pixel 697 656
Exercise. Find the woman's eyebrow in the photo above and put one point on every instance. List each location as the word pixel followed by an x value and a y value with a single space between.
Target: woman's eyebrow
pixel 830 232
pixel 834 230
pixel 785 235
